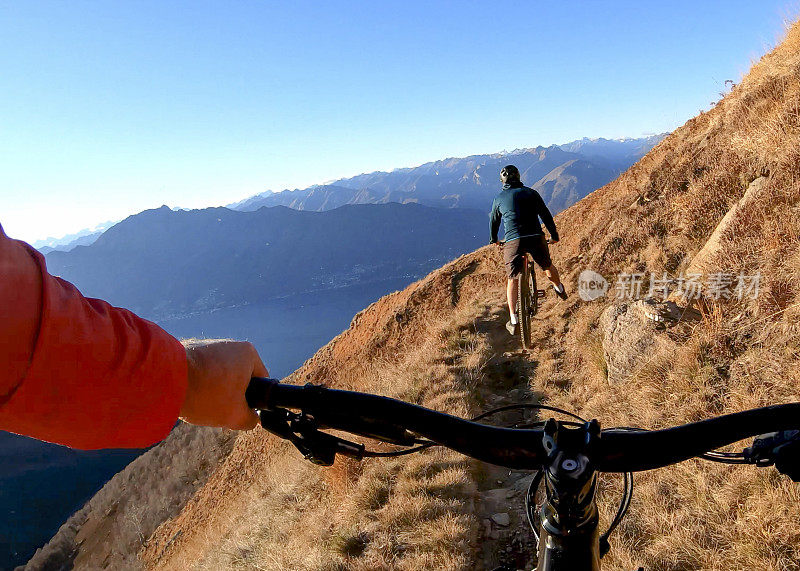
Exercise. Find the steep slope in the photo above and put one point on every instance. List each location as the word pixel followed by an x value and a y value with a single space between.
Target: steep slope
pixel 739 354
pixel 394 345
pixel 111 529
pixel 306 517
pixel 736 354
pixel 56 480
pixel 726 184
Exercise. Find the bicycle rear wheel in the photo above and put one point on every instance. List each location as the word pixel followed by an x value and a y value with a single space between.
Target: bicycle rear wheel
pixel 525 305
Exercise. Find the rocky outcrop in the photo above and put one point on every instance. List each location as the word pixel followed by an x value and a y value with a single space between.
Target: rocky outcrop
pixel 632 331
pixel 701 260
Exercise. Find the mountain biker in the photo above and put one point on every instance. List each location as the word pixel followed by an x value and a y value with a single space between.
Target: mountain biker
pixel 520 209
pixel 79 372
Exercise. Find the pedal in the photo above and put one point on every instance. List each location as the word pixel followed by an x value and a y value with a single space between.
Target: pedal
pixel 540 293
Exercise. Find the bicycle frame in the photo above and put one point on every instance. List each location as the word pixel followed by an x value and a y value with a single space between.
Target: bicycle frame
pixel 526 303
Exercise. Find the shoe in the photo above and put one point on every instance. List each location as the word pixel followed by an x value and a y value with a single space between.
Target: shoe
pixel 512 328
pixel 563 293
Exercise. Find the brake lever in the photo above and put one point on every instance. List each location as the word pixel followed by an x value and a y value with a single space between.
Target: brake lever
pixel 378 429
pixel 277 420
pixel 781 449
pixel 299 429
pixel 258 398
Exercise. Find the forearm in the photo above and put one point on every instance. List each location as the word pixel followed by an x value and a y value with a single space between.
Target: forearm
pixel 551 227
pixel 90 375
pixel 547 218
pixel 494 226
pixel 20 302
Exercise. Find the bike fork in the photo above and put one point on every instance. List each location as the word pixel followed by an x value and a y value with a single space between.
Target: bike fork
pixel 571 546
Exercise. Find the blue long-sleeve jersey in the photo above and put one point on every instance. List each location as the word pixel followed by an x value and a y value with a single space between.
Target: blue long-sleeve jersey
pixel 520 209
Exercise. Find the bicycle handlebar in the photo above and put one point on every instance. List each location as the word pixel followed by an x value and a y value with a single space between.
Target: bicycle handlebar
pixel 617 450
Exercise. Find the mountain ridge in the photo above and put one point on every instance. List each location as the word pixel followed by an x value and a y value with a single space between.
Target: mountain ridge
pixel 469 182
pixel 165 262
pixel 440 343
pixel 67 242
pixel 611 154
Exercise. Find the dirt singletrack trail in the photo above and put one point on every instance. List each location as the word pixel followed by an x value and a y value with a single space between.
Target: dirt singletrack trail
pixel 506 540
pixel 442 343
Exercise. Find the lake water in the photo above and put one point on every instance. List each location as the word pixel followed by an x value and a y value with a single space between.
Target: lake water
pixel 42 484
pixel 288 331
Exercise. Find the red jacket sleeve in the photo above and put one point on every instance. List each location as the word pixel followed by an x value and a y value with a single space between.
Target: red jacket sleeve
pixel 78 371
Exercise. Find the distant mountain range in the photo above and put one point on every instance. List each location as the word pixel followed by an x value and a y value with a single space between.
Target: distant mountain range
pixel 80 238
pixel 169 261
pixel 562 174
pixel 163 262
pixel 166 262
pixel 618 153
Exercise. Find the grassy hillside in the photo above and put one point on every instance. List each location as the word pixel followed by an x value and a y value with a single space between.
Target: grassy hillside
pixel 721 194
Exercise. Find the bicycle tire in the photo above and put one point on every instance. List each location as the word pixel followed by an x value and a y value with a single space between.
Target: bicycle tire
pixel 534 292
pixel 524 305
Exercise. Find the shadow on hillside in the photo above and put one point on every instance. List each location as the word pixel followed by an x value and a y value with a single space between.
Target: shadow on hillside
pixel 458 277
pixel 499 379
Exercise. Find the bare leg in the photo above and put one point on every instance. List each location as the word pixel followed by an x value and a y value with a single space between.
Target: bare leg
pixel 552 275
pixel 511 294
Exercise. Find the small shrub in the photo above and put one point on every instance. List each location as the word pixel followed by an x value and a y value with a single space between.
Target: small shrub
pixel 349 542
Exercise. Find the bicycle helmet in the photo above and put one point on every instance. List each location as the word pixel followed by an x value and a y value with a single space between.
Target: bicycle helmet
pixel 509 173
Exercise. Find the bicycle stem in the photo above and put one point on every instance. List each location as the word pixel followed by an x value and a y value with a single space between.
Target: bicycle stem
pixel 569 538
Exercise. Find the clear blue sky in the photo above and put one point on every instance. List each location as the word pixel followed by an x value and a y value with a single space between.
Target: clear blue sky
pixel 108 108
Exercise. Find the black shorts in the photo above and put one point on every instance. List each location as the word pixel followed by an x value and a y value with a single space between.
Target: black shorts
pixel 513 251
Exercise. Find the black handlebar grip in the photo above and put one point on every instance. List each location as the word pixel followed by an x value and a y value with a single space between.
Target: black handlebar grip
pixel 258 392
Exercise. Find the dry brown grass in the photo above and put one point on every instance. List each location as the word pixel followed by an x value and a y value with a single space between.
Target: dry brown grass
pixel 742 354
pixel 113 526
pixel 404 513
